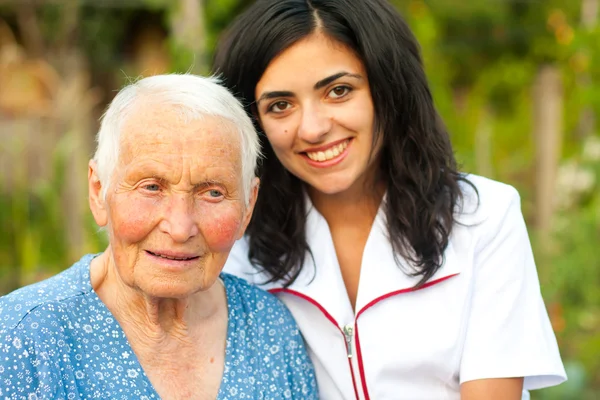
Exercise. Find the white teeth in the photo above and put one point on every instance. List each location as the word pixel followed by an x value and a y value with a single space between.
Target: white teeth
pixel 329 153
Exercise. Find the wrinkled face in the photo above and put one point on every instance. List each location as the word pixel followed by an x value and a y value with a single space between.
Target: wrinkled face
pixel 175 204
pixel 315 106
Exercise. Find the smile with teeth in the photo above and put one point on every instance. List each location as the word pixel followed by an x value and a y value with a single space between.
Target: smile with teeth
pixel 172 258
pixel 328 154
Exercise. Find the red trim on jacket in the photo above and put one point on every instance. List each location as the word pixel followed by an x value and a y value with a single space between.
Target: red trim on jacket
pixel 361 367
pixel 330 318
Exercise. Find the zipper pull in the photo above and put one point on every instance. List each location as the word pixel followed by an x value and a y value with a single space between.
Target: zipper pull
pixel 348 330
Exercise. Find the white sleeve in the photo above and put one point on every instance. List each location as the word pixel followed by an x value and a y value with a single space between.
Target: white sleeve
pixel 508 331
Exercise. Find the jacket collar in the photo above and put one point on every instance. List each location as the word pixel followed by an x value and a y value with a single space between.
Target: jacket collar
pixel 321 279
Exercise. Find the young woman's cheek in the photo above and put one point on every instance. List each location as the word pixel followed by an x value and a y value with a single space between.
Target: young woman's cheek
pixel 279 133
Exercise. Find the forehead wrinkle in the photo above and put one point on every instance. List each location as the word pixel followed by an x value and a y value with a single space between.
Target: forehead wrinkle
pixel 153 168
pixel 156 158
pixel 220 163
pixel 186 150
pixel 146 140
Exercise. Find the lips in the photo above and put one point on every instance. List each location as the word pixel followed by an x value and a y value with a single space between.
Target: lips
pixel 328 153
pixel 173 256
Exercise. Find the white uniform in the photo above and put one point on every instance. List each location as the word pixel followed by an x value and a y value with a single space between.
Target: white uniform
pixel 480 316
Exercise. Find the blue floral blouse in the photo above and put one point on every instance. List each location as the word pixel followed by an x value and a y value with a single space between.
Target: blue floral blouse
pixel 59 341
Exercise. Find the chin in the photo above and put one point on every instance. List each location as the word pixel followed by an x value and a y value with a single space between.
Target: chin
pixel 171 292
pixel 178 289
pixel 331 188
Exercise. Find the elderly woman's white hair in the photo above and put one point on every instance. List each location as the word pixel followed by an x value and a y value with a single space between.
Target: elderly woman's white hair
pixel 195 96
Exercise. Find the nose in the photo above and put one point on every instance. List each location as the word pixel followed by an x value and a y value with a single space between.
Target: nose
pixel 315 124
pixel 179 222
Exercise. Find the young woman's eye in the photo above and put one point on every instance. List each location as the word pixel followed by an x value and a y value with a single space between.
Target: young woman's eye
pixel 279 106
pixel 339 91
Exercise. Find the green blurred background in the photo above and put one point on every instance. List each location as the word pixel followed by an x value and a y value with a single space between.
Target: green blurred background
pixel 517 81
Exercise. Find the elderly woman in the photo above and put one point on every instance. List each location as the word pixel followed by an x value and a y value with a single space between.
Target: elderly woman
pixel 172 183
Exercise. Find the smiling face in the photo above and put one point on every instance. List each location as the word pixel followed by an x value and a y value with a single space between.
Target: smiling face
pixel 175 204
pixel 315 106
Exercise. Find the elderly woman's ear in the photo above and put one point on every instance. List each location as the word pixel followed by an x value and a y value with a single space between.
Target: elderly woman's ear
pixel 96 198
pixel 250 207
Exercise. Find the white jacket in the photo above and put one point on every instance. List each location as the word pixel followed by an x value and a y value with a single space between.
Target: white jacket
pixel 480 316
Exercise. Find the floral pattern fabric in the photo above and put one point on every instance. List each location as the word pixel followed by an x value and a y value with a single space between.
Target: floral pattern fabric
pixel 59 341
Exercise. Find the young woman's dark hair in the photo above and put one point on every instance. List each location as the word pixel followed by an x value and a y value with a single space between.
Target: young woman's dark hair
pixel 417 161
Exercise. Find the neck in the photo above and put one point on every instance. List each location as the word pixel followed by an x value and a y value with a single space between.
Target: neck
pixel 358 203
pixel 158 318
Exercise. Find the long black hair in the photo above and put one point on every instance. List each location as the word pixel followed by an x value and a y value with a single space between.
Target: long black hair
pixel 417 161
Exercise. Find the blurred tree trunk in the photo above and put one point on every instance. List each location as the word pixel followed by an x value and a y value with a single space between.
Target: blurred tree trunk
pixel 188 30
pixel 25 147
pixel 30 30
pixel 483 142
pixel 589 20
pixel 73 107
pixel 547 126
pixel 589 13
pixel 68 118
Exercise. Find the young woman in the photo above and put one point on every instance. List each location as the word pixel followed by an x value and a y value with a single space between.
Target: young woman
pixel 408 279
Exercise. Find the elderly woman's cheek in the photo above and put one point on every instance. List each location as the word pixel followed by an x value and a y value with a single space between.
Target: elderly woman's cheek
pixel 220 228
pixel 134 219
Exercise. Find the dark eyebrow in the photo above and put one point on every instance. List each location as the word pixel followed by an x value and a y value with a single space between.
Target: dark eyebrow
pixel 320 84
pixel 326 81
pixel 273 95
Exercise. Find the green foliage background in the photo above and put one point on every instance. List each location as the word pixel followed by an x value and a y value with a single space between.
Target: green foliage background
pixel 481 57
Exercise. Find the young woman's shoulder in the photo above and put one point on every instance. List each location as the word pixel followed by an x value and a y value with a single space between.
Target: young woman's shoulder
pixel 508 322
pixel 485 200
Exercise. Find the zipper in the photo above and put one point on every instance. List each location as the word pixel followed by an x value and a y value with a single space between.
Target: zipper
pixel 348 330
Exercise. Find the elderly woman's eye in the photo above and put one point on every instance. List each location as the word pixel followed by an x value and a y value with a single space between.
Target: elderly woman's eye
pixel 152 187
pixel 215 193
